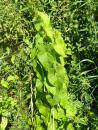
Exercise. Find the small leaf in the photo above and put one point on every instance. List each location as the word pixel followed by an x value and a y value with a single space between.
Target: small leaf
pixel 39 85
pixel 80 120
pixel 12 78
pixel 27 41
pixel 29 121
pixel 4 83
pixel 13 59
pixel 70 127
pixel 33 53
pixel 8 50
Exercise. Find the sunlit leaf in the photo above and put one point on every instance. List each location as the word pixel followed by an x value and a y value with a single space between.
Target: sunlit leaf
pixel 4 123
pixel 70 127
pixel 4 83
pixel 13 59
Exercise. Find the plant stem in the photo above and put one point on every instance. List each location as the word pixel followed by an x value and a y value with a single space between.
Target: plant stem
pixel 31 100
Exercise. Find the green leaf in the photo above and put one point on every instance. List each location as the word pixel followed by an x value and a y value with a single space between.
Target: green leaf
pixel 52 76
pixel 39 39
pixel 4 123
pixel 29 121
pixel 43 109
pixel 61 113
pixel 8 50
pixel 33 53
pixel 71 110
pixel 50 89
pixel 27 41
pixel 44 17
pixel 59 44
pixel 50 100
pixel 54 113
pixel 12 78
pixel 58 76
pixel 38 26
pixel 80 120
pixel 13 59
pixel 38 120
pixel 45 23
pixel 39 127
pixel 70 127
pixel 39 85
pixel 4 83
pixel 52 125
pixel 46 60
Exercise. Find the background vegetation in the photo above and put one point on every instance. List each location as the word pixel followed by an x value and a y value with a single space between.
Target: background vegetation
pixel 47 82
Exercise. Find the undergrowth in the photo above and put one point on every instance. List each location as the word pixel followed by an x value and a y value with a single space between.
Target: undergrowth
pixel 48 65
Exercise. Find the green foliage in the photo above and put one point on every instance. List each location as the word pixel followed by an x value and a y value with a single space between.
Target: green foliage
pixel 3 123
pixel 52 80
pixel 48 65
